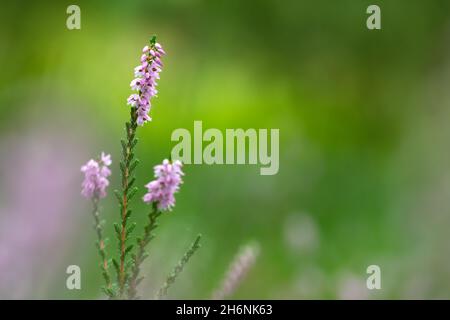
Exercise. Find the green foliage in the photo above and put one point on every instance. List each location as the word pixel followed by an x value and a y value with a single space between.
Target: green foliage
pixel 141 254
pixel 101 247
pixel 127 167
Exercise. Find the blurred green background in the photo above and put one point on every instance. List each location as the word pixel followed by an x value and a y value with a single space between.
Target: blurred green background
pixel 364 160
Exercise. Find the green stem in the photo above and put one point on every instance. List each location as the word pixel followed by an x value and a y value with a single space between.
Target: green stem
pixel 101 246
pixel 127 167
pixel 141 255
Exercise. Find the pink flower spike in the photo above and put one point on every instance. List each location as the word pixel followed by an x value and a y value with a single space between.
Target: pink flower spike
pixel 162 190
pixel 146 75
pixel 96 177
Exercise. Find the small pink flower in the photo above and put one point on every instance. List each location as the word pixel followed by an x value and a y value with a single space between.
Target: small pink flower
pixel 133 100
pixel 160 49
pixel 106 159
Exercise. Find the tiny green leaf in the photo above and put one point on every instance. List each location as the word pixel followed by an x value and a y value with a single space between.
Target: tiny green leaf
pixel 131 228
pixel 133 165
pixel 117 228
pixel 132 193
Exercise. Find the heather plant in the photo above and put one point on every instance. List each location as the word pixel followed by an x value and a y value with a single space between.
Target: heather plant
pixel 160 192
pixel 160 197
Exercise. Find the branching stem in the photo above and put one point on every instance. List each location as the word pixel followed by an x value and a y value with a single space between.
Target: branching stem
pixel 141 255
pixel 101 246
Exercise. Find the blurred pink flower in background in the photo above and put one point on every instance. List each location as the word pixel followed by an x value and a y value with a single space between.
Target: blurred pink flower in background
pixel 237 271
pixel 301 233
pixel 352 287
pixel 39 176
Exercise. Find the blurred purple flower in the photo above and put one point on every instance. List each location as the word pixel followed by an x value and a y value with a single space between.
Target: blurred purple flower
pixel 146 75
pixel 96 177
pixel 352 287
pixel 37 220
pixel 237 271
pixel 168 182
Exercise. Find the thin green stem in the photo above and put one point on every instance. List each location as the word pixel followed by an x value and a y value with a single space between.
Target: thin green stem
pixel 127 166
pixel 141 255
pixel 178 268
pixel 101 246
